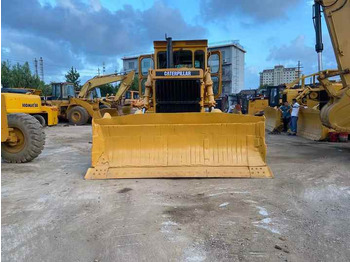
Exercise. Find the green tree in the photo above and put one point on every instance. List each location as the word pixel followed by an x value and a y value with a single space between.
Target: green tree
pixel 72 76
pixel 19 76
pixel 107 89
pixel 135 84
pixel 5 74
pixel 46 90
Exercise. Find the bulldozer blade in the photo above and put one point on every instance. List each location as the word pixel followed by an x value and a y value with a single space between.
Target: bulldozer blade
pixel 310 125
pixel 179 145
pixel 273 119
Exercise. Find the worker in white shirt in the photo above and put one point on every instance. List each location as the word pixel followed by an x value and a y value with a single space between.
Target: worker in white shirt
pixel 294 120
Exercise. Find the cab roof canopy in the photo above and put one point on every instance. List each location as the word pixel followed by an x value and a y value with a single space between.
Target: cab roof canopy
pixel 181 43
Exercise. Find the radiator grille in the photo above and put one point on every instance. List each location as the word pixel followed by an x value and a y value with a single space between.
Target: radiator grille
pixel 177 95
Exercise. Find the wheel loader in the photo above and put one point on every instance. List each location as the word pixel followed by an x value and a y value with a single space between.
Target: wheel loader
pixel 28 101
pixel 22 136
pixel 177 131
pixel 78 109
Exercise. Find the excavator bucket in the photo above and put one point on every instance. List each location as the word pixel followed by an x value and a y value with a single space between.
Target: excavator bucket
pixel 171 145
pixel 310 126
pixel 273 119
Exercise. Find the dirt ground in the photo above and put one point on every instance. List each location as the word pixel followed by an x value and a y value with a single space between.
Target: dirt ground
pixel 50 213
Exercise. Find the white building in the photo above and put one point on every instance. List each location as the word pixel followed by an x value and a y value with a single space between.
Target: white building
pixel 278 76
pixel 232 65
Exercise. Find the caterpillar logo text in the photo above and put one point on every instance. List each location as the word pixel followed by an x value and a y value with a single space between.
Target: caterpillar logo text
pixel 177 73
pixel 30 105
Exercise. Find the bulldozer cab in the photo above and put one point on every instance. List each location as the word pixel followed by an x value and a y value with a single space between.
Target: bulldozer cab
pixel 192 57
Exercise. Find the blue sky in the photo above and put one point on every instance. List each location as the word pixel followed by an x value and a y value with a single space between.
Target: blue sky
pixel 86 33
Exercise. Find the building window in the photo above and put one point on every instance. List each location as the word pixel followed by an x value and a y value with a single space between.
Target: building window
pixel 223 55
pixel 131 65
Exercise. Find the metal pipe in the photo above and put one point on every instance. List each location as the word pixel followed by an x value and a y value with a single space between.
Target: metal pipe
pixel 319 61
pixel 318 30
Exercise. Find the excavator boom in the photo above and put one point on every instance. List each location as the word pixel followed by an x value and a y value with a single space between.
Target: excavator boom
pixel 336 114
pixel 106 79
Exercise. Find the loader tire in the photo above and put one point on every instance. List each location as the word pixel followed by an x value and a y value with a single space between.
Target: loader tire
pixel 41 120
pixel 78 116
pixel 30 139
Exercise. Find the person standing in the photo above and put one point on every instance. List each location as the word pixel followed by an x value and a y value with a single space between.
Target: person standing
pixel 285 109
pixel 294 120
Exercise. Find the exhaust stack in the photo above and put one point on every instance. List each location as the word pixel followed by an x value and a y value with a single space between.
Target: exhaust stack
pixel 169 52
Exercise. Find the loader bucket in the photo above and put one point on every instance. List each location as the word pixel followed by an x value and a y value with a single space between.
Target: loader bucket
pixel 273 119
pixel 310 125
pixel 170 145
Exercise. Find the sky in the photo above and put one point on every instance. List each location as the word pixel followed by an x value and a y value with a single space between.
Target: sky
pixel 87 33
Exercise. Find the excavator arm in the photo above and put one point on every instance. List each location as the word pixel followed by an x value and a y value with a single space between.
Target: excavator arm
pixel 336 114
pixel 106 79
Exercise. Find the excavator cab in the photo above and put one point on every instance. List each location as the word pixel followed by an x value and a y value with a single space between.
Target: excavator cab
pixel 178 131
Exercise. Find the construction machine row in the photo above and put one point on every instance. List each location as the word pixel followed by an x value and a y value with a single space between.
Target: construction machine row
pixel 177 129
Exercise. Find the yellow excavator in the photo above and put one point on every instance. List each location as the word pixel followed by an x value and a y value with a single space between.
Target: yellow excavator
pixel 336 114
pixel 178 132
pixel 312 98
pixel 79 109
pixel 276 95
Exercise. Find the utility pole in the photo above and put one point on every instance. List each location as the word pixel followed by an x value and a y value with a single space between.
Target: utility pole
pixel 36 67
pixel 41 62
pixel 98 71
pixel 299 71
pixel 103 68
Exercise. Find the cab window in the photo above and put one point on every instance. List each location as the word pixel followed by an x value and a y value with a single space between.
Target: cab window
pixel 56 90
pixel 128 95
pixel 146 63
pixel 70 91
pixel 182 58
pixel 199 59
pixel 97 93
pixel 161 60
pixel 214 63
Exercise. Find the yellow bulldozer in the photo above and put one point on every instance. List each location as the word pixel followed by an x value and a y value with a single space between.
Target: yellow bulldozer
pixel 78 109
pixel 22 136
pixel 178 132
pixel 256 105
